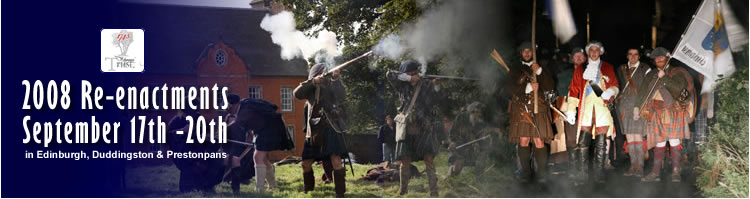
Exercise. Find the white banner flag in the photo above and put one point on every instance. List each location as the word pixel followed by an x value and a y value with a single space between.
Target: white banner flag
pixel 562 19
pixel 705 45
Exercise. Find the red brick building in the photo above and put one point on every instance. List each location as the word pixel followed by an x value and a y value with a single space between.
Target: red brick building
pixel 203 46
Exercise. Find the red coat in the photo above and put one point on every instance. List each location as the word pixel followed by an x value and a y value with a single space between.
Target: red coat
pixel 591 103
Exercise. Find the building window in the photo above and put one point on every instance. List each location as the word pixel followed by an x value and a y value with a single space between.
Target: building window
pixel 221 57
pixel 255 92
pixel 286 99
pixel 290 130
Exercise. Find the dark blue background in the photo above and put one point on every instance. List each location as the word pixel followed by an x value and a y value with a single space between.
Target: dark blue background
pixel 57 40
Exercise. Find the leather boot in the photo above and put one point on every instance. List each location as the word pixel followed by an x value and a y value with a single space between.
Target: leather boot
pixel 308 178
pixel 404 173
pixel 260 178
pixel 674 153
pixel 584 140
pixel 236 180
pixel 540 156
pixel 432 181
pixel 524 154
pixel 572 162
pixel 600 154
pixel 339 182
pixel 653 176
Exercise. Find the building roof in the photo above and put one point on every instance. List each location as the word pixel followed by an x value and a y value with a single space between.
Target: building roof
pixel 177 36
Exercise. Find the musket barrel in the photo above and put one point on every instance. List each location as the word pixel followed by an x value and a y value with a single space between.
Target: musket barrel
pixel 341 66
pixel 449 77
pixel 241 143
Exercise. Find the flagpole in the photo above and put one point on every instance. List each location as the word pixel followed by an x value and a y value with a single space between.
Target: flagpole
pixel 721 13
pixel 682 36
pixel 533 51
pixel 673 50
pixel 588 28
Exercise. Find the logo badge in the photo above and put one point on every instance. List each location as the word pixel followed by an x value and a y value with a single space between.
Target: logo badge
pixel 122 50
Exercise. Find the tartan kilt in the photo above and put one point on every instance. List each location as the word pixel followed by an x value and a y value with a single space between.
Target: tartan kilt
pixel 417 146
pixel 701 127
pixel 521 127
pixel 627 124
pixel 666 123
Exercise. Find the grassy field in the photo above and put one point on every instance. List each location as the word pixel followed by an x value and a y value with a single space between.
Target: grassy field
pixel 162 181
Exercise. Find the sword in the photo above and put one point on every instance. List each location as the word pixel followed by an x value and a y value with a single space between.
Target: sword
pixel 533 123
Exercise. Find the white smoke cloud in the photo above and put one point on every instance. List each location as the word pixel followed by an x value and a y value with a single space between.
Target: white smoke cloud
pixel 390 47
pixel 293 42
pixel 458 34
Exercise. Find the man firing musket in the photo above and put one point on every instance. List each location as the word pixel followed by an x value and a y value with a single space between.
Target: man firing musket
pixel 415 137
pixel 325 117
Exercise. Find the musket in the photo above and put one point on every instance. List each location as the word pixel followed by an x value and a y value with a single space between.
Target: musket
pixel 448 77
pixel 531 119
pixel 499 59
pixel 244 153
pixel 650 92
pixel 351 166
pixel 345 64
pixel 473 141
pixel 550 96
pixel 558 111
pixel 241 143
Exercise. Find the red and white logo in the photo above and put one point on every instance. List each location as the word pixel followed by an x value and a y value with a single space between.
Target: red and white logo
pixel 122 50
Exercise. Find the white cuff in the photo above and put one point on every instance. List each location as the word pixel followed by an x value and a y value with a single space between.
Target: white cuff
pixel 607 94
pixel 614 90
pixel 404 77
pixel 538 71
pixel 529 88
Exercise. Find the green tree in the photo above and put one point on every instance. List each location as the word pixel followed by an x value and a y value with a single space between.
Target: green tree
pixel 723 169
pixel 359 25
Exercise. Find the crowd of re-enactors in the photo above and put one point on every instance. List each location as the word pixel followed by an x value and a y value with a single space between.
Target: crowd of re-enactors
pixel 579 117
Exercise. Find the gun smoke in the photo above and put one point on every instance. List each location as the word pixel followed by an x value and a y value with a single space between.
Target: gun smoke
pixel 294 43
pixel 460 34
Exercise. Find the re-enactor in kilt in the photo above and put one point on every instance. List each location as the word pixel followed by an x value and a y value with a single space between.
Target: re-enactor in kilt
pixel 415 137
pixel 525 125
pixel 325 125
pixel 631 76
pixel 664 100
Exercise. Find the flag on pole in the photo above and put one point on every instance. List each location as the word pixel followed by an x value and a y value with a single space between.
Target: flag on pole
pixel 705 45
pixel 735 32
pixel 562 19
